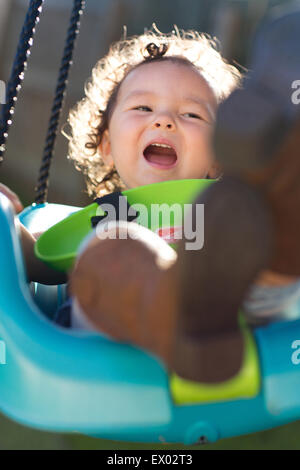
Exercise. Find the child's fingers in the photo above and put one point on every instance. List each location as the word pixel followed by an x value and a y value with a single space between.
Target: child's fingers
pixel 36 235
pixel 18 206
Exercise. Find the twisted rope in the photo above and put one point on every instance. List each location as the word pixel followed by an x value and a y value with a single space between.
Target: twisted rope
pixel 43 180
pixel 18 70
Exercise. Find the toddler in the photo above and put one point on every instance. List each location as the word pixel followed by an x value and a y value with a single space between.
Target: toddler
pixel 148 116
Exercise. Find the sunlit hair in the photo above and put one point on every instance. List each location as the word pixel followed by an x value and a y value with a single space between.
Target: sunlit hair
pixel 90 117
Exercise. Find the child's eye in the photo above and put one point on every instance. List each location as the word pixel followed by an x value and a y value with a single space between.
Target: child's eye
pixel 193 115
pixel 143 108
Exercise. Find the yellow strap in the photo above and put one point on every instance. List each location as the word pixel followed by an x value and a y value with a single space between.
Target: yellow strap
pixel 245 384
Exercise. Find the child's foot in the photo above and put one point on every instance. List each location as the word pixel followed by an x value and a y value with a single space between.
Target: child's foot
pixel 126 287
pixel 209 345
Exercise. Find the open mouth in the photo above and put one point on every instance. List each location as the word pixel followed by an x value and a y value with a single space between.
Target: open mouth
pixel 160 155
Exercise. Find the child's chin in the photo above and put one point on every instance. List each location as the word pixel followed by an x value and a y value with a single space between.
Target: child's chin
pixel 160 178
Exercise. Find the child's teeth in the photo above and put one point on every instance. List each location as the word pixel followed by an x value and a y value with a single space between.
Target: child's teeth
pixel 162 145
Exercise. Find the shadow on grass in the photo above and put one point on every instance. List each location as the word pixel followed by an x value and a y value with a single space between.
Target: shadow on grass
pixel 16 437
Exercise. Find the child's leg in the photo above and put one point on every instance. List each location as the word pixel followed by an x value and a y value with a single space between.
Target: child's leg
pixel 267 302
pixel 257 225
pixel 36 270
pixel 186 312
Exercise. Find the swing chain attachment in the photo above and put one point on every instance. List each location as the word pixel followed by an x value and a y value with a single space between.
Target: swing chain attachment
pixel 43 180
pixel 18 70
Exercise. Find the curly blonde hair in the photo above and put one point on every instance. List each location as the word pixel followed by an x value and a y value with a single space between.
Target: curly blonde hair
pixel 90 117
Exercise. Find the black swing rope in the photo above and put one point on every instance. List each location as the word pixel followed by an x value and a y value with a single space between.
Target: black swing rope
pixel 17 76
pixel 18 69
pixel 43 180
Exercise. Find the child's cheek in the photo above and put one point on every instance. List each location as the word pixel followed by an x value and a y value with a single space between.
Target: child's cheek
pixel 128 127
pixel 203 136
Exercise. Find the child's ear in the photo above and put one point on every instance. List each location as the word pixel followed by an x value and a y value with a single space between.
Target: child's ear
pixel 104 149
pixel 214 171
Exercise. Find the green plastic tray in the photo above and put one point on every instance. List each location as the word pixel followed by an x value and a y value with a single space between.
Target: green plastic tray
pixel 58 246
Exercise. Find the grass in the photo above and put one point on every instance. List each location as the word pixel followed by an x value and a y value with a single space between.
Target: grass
pixel 16 437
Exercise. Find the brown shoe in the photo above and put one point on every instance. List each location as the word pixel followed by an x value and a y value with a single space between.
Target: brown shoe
pixel 213 282
pixel 125 287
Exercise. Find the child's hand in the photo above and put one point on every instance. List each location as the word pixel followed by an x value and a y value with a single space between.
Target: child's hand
pixel 18 206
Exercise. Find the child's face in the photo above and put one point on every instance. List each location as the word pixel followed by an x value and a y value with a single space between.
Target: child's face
pixel 161 104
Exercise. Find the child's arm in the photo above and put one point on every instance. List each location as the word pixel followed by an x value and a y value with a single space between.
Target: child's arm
pixel 36 270
pixel 18 206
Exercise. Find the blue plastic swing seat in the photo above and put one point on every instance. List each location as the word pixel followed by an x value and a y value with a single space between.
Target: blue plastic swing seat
pixel 59 380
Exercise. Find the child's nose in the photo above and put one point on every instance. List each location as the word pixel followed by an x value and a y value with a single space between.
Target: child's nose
pixel 165 122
